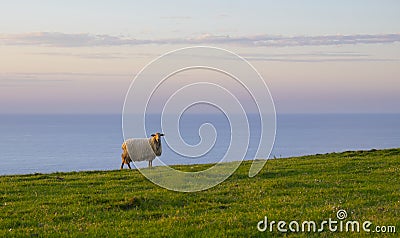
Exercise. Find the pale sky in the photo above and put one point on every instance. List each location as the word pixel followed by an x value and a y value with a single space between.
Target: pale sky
pixel 315 56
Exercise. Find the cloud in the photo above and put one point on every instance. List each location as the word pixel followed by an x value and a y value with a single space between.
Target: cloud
pixel 14 79
pixel 281 41
pixel 223 15
pixel 67 40
pixel 69 74
pixel 58 39
pixel 176 17
pixel 62 76
pixel 87 55
pixel 317 57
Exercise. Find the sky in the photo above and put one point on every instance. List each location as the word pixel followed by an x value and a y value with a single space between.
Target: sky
pixel 315 56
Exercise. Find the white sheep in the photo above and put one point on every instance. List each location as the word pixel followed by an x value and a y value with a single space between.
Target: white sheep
pixel 142 149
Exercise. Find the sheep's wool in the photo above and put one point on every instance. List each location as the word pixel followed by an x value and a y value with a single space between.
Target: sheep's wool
pixel 140 149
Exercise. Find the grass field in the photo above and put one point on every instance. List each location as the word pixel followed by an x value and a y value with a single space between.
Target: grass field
pixel 123 203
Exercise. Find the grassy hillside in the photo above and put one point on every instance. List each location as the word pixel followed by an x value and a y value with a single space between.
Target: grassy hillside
pixel 118 203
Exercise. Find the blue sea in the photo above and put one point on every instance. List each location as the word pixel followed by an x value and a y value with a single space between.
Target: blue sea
pixel 51 143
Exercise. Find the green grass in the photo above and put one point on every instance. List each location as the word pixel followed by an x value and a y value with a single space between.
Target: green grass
pixel 123 203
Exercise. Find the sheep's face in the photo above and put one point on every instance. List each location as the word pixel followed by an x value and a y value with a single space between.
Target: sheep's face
pixel 157 136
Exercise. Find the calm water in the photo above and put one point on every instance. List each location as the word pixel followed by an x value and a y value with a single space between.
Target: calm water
pixel 49 143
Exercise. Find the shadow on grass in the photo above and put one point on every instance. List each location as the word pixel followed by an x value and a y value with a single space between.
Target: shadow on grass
pixel 132 203
pixel 141 203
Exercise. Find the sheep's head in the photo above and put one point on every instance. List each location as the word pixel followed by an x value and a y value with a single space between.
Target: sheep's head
pixel 157 136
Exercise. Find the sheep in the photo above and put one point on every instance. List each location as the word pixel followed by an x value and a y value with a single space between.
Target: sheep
pixel 142 149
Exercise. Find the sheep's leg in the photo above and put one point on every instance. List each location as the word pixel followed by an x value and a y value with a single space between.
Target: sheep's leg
pixel 122 165
pixel 129 166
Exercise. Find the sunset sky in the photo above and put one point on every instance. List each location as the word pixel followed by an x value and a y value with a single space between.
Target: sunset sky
pixel 315 56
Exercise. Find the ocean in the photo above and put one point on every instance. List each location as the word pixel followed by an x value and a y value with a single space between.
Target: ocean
pixel 62 143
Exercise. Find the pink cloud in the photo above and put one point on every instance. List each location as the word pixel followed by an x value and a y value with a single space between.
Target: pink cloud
pixel 57 39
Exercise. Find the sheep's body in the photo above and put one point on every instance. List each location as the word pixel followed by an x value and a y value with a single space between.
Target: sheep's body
pixel 140 149
pixel 143 149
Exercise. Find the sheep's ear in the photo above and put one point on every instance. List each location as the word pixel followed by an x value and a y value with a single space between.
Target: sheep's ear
pixel 153 135
pixel 161 134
